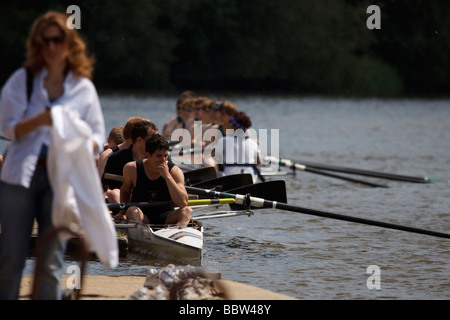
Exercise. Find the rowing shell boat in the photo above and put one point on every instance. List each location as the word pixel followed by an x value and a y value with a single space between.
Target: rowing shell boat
pixel 184 244
pixel 165 242
pixel 171 242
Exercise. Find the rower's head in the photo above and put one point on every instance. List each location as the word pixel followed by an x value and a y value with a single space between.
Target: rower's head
pixel 226 110
pixel 199 107
pixel 140 131
pixel 240 120
pixel 129 124
pixel 187 109
pixel 209 113
pixel 156 143
pixel 182 98
pixel 115 136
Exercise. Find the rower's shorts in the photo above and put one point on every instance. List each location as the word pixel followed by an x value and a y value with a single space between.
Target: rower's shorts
pixel 157 218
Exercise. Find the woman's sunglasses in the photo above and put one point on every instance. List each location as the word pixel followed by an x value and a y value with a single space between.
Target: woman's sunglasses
pixel 56 39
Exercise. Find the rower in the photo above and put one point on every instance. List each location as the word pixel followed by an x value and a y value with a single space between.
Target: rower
pixel 155 179
pixel 183 116
pixel 236 150
pixel 226 111
pixel 140 131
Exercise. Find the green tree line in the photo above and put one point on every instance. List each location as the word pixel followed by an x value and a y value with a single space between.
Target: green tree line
pixel 290 46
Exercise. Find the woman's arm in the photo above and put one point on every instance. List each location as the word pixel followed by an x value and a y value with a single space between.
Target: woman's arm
pixel 26 126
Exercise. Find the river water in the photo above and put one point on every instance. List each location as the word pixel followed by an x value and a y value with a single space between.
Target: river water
pixel 310 257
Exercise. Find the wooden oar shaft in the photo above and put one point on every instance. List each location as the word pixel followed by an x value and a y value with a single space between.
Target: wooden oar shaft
pixel 259 202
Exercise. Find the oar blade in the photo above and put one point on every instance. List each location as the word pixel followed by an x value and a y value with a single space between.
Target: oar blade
pixel 270 190
pixel 199 175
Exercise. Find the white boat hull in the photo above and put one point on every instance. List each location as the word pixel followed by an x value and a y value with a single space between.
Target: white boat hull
pixel 184 244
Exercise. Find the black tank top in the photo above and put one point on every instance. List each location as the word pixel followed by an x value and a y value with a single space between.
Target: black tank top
pixel 150 190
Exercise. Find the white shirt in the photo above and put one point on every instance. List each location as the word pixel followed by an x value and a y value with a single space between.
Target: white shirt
pixel 239 154
pixel 79 95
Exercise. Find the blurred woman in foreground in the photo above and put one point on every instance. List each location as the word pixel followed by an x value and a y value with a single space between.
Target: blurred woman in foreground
pixel 60 73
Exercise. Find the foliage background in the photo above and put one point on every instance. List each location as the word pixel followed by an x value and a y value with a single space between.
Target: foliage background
pixel 300 47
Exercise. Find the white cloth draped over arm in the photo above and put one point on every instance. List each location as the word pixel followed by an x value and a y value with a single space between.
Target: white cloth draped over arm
pixel 78 195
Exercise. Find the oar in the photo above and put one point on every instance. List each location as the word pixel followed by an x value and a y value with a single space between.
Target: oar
pixel 263 203
pixel 298 166
pixel 369 173
pixel 115 177
pixel 193 176
pixel 156 204
pixel 274 190
pixel 223 214
pixel 226 182
pixel 199 175
pixel 173 142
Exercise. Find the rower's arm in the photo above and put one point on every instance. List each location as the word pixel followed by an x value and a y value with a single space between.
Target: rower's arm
pixel 177 190
pixel 128 183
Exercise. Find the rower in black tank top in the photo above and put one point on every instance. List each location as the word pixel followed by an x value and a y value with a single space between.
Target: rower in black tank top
pixel 147 190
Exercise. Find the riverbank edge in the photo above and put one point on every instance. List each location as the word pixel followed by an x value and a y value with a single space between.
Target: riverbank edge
pixel 96 287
